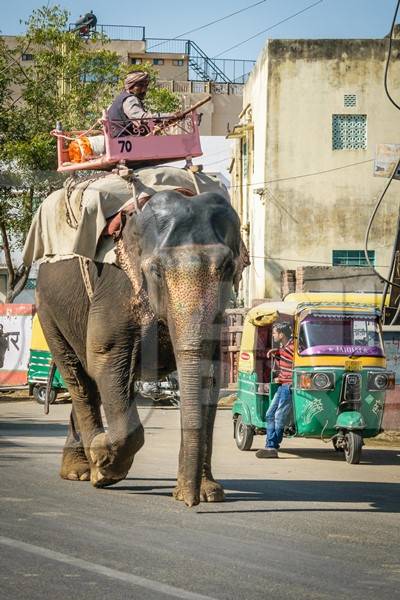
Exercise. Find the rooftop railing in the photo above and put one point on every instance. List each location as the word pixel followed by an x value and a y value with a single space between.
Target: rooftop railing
pixel 118 32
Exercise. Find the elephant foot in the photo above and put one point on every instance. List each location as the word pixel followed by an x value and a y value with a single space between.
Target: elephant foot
pixel 185 495
pixel 111 463
pixel 75 465
pixel 211 491
pixel 100 478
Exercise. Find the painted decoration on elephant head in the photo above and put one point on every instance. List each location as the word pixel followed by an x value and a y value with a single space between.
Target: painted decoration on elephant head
pixel 15 339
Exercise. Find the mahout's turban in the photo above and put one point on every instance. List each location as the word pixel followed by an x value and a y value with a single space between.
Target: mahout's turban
pixel 135 77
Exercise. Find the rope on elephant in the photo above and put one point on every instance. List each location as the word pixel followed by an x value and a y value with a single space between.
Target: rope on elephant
pixel 196 185
pixel 70 186
pixel 84 267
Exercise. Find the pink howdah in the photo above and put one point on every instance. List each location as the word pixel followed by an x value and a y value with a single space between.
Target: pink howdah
pixel 152 140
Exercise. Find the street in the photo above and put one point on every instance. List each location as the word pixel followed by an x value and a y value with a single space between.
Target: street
pixel 307 525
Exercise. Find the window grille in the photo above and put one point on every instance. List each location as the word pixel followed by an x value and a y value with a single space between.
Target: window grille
pixel 27 56
pixel 178 62
pixel 136 61
pixel 30 284
pixel 350 100
pixel 158 61
pixel 349 132
pixel 352 258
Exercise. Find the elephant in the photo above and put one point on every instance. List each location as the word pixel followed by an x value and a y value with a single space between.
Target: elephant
pixel 160 308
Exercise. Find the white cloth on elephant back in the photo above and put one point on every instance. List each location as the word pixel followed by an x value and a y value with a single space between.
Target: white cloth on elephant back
pixel 51 238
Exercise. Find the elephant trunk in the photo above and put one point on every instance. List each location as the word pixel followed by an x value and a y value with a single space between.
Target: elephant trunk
pixel 197 294
pixel 193 371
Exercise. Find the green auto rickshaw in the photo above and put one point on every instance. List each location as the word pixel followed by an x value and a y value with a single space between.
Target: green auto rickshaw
pixel 42 371
pixel 339 370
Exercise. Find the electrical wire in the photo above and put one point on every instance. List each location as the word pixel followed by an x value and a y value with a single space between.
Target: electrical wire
pixel 389 55
pixel 387 282
pixel 310 262
pixel 361 162
pixel 212 22
pixel 269 28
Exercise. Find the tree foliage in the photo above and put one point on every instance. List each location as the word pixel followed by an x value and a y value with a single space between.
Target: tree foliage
pixel 71 79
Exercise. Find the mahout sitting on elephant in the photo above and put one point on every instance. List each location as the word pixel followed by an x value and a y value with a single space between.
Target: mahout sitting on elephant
pixel 159 307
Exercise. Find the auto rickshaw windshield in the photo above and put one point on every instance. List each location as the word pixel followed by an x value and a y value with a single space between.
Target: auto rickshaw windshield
pixel 340 334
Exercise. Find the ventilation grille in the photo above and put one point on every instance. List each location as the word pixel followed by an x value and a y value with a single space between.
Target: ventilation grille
pixel 349 132
pixel 350 100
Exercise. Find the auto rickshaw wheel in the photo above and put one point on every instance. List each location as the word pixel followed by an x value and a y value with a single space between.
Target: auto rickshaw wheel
pixel 353 447
pixel 39 393
pixel 243 434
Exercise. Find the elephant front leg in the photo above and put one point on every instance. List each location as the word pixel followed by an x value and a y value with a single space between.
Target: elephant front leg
pixel 75 465
pixel 85 421
pixel 211 490
pixel 111 363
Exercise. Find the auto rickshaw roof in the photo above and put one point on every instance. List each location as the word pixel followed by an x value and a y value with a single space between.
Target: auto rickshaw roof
pixel 269 312
pixel 371 299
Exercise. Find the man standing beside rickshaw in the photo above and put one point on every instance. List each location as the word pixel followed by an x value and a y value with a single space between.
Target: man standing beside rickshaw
pixel 280 407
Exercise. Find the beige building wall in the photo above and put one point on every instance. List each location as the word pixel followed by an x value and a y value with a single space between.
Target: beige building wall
pixel 312 199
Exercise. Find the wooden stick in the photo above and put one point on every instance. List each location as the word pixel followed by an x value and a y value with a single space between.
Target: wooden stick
pixel 162 126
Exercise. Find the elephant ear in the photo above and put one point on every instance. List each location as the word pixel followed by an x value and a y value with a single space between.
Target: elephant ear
pixel 128 260
pixel 242 261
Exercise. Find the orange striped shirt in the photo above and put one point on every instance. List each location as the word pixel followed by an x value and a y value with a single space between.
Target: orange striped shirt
pixel 285 362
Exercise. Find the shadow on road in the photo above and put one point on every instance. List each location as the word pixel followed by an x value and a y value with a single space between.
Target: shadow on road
pixel 381 497
pixel 369 456
pixel 31 429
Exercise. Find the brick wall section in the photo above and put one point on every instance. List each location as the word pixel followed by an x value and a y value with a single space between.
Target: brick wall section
pixel 288 282
pixel 391 414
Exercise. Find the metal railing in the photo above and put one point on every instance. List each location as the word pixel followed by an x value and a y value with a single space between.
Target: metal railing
pixel 238 70
pixel 117 32
pixel 201 66
pixel 201 87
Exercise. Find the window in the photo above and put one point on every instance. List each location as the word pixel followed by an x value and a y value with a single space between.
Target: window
pixel 27 57
pixel 30 284
pixel 158 61
pixel 179 62
pixel 352 258
pixel 350 100
pixel 136 61
pixel 245 159
pixel 349 132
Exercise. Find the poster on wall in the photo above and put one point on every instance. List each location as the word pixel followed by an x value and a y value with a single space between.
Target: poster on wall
pixel 15 341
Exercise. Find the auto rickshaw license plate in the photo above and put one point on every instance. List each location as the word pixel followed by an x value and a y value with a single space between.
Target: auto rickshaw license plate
pixel 353 365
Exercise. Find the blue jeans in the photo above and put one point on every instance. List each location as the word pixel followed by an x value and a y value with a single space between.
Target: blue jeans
pixel 277 415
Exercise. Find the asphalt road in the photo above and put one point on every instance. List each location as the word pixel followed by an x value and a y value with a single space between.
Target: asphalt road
pixel 304 526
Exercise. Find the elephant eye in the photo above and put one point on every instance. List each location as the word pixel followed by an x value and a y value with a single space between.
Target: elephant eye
pixel 155 271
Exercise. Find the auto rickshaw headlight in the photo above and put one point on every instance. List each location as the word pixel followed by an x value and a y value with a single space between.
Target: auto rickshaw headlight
pixel 323 381
pixel 381 381
pixel 315 381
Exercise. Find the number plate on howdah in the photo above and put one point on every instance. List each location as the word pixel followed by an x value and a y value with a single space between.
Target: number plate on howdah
pixel 353 365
